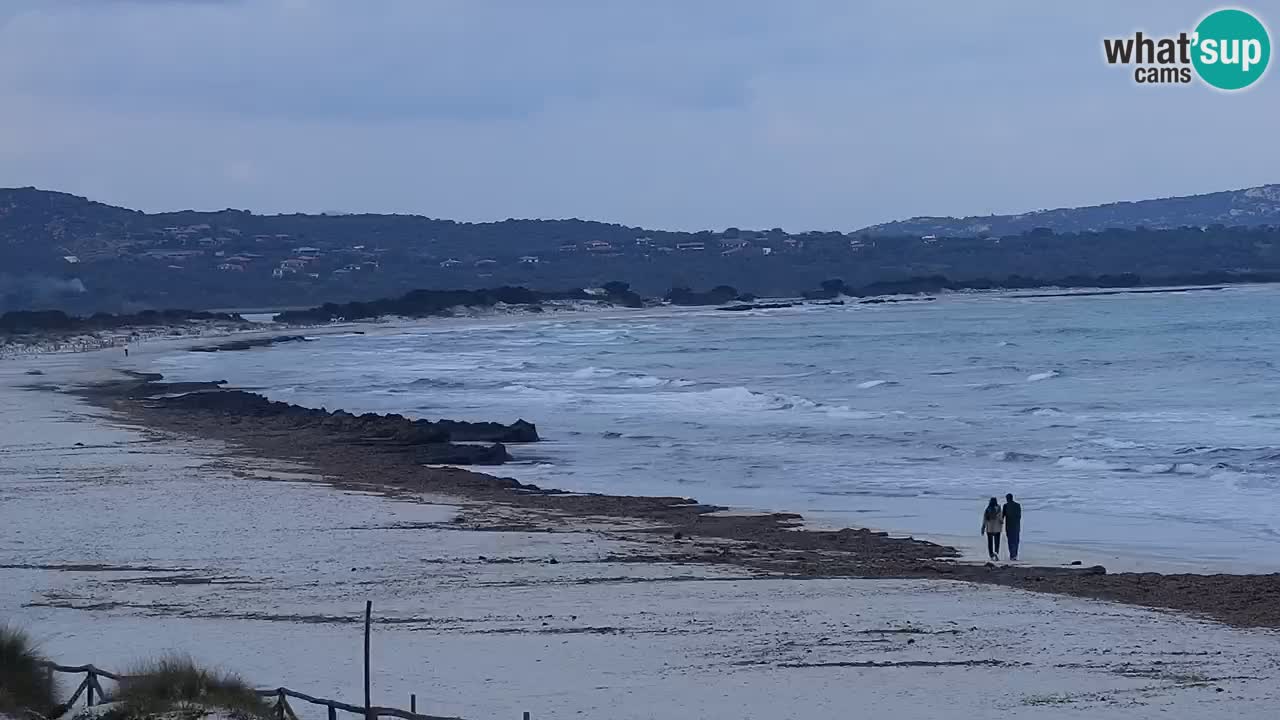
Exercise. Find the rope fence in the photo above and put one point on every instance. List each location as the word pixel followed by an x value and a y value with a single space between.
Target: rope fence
pixel 91 689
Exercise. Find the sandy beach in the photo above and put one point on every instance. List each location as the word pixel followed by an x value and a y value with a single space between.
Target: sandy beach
pixel 124 540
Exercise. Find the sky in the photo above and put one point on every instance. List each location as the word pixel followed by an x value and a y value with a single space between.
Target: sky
pixel 679 114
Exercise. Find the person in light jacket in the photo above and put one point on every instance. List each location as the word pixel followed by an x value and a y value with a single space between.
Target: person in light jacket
pixel 993 525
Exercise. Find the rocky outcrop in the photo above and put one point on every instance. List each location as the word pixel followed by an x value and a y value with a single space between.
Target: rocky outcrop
pixel 717 295
pixel 428 441
pixel 426 303
pixel 757 306
pixel 249 343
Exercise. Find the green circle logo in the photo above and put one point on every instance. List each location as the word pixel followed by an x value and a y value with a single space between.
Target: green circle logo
pixel 1231 49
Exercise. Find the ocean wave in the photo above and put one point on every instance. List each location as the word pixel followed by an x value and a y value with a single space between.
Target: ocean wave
pixel 1214 450
pixel 592 372
pixel 1037 377
pixel 1075 463
pixel 651 381
pixel 1115 444
pixel 874 383
pixel 1042 411
pixel 1171 468
pixel 1014 456
pixel 435 383
pixel 739 399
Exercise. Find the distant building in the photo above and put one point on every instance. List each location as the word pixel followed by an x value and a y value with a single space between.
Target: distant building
pixel 569 247
pixel 691 246
pixel 305 249
pixel 232 267
pixel 530 259
pixel 644 241
pixel 71 259
pixel 450 263
pixel 598 246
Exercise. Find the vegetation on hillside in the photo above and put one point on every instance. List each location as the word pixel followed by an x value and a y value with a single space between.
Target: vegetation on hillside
pixel 59 251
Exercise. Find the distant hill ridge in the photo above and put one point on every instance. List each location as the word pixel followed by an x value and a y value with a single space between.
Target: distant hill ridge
pixel 61 251
pixel 1234 208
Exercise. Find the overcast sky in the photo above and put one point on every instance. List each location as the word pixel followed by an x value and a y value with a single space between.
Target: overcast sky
pixel 689 114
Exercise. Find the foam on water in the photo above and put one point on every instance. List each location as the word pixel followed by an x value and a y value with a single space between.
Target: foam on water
pixel 1150 406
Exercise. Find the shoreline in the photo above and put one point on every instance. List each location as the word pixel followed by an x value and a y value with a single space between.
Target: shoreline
pixel 485 609
pixel 771 544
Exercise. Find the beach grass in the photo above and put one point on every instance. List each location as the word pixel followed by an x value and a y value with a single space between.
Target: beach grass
pixel 176 682
pixel 25 684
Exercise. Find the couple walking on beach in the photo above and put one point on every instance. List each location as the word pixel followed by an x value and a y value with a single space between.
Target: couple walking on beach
pixel 1008 519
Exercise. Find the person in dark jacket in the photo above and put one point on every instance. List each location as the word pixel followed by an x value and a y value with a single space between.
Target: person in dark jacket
pixel 1013 524
pixel 992 523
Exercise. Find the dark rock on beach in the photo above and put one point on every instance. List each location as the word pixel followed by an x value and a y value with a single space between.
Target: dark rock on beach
pixel 757 306
pixel 399 454
pixel 249 344
pixel 237 405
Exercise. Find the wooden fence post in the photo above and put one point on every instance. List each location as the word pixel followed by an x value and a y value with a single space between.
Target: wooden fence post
pixel 88 695
pixel 413 703
pixel 280 704
pixel 333 713
pixel 368 618
pixel 526 715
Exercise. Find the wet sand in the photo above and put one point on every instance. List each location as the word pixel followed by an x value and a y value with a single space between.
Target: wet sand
pixel 693 533
pixel 123 542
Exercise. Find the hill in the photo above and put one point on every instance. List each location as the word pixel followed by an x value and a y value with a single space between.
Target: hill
pixel 60 251
pixel 1249 207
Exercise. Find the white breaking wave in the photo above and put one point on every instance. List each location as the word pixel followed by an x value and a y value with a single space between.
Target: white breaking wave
pixel 874 383
pixel 1075 463
pixel 651 381
pixel 592 372
pixel 1115 444
pixel 1037 377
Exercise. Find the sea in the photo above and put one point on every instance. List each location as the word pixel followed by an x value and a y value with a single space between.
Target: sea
pixel 1141 429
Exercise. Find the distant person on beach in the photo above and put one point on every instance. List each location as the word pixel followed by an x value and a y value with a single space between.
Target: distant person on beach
pixel 1012 525
pixel 126 352
pixel 992 524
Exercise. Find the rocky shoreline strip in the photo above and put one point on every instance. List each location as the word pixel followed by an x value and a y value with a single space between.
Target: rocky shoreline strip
pixel 393 452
